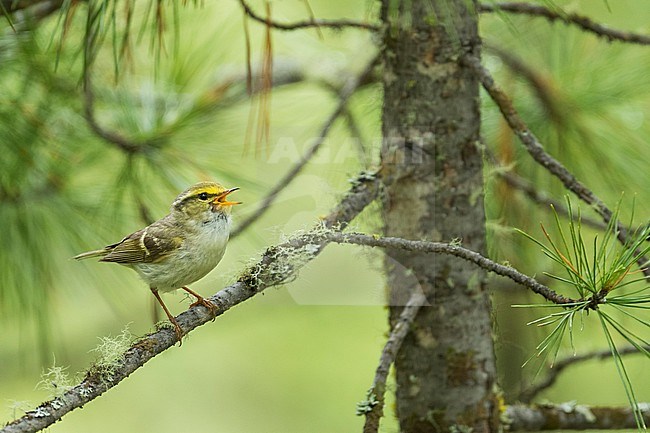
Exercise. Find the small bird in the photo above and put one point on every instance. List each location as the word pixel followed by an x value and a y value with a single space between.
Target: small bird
pixel 180 248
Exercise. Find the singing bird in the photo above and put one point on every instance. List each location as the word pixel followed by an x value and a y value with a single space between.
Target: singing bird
pixel 181 247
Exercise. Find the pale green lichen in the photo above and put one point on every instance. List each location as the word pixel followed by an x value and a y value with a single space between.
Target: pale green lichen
pixel 586 412
pixel 280 263
pixel 163 324
pixel 55 381
pixel 366 405
pixel 363 176
pixel 643 406
pixel 573 407
pixel 460 428
pixel 19 406
pixel 111 353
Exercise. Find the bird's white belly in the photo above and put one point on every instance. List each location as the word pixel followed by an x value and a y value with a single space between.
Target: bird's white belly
pixel 196 257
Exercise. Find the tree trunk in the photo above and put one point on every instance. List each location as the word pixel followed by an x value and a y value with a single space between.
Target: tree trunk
pixel 432 159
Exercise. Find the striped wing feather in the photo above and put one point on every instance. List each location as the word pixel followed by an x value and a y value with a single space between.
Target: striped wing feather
pixel 142 246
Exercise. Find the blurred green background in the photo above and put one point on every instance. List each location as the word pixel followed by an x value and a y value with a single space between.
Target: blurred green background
pixel 297 358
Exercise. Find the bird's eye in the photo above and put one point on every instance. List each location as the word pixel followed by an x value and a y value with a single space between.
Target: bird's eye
pixel 203 196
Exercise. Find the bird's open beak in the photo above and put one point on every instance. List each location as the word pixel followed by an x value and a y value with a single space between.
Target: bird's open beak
pixel 221 198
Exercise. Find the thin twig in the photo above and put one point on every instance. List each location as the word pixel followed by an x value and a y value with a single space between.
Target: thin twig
pixel 388 355
pixel 533 193
pixel 530 142
pixel 559 366
pixel 536 196
pixel 352 125
pixel 247 45
pixel 277 265
pixel 537 81
pixel 318 23
pixel 545 95
pixel 544 89
pixel 536 150
pixel 348 90
pixel 357 136
pixel 568 18
pixel 265 84
pixel 312 17
pixel 451 249
pixel 123 143
pixel 285 73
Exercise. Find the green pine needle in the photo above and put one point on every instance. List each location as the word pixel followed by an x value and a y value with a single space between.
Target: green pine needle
pixel 594 276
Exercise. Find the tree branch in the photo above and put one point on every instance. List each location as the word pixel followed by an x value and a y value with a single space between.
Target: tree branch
pixel 351 123
pixel 570 416
pixel 530 142
pixel 276 266
pixel 314 22
pixel 572 18
pixel 374 406
pixel 536 150
pixel 451 249
pixel 123 143
pixel 536 196
pixel 357 135
pixel 515 181
pixel 285 73
pixel 344 96
pixel 537 81
pixel 559 366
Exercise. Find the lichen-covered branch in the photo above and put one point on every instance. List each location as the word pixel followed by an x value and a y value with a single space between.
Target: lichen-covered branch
pixel 570 416
pixel 277 265
pixel 337 24
pixel 581 21
pixel 373 407
pixel 344 96
pixel 451 249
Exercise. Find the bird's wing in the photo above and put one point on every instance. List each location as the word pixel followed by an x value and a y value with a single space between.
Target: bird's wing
pixel 148 245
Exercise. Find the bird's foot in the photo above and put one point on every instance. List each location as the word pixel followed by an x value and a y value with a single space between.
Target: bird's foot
pixel 200 300
pixel 207 304
pixel 178 330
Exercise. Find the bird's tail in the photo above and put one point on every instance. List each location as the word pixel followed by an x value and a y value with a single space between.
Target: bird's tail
pixel 90 254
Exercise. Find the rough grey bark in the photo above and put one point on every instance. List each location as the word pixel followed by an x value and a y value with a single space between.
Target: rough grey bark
pixel 433 164
pixel 570 416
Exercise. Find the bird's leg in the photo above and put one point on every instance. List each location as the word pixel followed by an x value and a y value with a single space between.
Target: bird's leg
pixel 200 300
pixel 177 327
